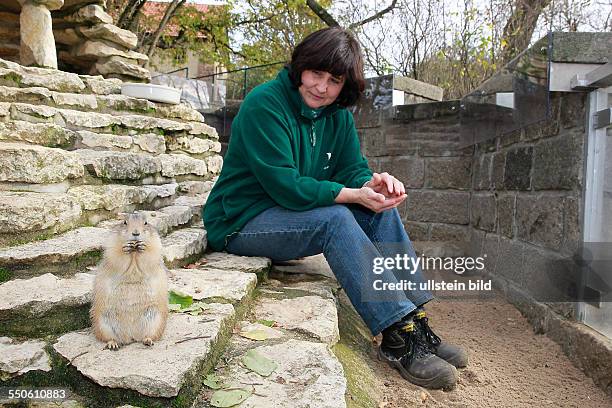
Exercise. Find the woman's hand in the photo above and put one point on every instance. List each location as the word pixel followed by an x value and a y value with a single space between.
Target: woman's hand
pixel 369 198
pixel 386 184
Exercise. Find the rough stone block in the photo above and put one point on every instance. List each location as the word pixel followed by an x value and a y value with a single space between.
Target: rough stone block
pixel 435 206
pixel 311 315
pixel 539 220
pixel 18 358
pixel 482 172
pixel 176 164
pixel 517 171
pixel 483 212
pixel 57 250
pixel 27 212
pixel 497 172
pixel 408 170
pixel 573 110
pixel 572 230
pixel 156 371
pixel 448 232
pixel 322 385
pixel 35 297
pixel 558 163
pixel 208 283
pixel 510 261
pixel 37 164
pixel 505 215
pixel 119 166
pixel 183 244
pixel 250 264
pixel 417 231
pixel 448 172
pixel 49 135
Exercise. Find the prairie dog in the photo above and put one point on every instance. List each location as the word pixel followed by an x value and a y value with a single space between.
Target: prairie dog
pixel 130 293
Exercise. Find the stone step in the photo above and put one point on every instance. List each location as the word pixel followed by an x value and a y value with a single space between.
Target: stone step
pixel 104 122
pixel 304 327
pixel 31 215
pixel 116 104
pixel 49 304
pixel 166 374
pixel 73 250
pixel 32 164
pixel 112 165
pixel 54 135
pixel 36 214
pixel 23 163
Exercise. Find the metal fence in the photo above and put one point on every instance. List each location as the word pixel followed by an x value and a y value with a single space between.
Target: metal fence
pixel 208 93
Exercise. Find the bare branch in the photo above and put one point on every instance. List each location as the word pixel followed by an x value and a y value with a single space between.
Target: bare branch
pixel 374 16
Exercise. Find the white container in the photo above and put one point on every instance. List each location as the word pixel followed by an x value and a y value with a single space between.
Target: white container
pixel 152 92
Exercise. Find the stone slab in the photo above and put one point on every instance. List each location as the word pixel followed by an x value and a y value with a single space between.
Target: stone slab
pixel 223 260
pixel 183 243
pixel 116 196
pixel 38 295
pixel 310 315
pixel 47 134
pixel 156 371
pixel 194 202
pixel 195 187
pixel 17 358
pixel 206 283
pixel 177 164
pixel 308 375
pixel 28 212
pixel 37 164
pixel 57 250
pixel 119 165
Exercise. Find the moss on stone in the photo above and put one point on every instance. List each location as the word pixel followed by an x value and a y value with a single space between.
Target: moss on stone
pixel 58 321
pixel 353 350
pixel 5 275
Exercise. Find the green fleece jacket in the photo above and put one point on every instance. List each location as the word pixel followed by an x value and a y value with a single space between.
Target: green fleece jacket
pixel 282 152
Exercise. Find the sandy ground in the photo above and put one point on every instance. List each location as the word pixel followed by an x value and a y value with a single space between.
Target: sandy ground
pixel 510 366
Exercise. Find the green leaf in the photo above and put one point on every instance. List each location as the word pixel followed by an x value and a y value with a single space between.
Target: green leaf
pixel 256 334
pixel 212 381
pixel 265 322
pixel 258 363
pixel 179 299
pixel 229 398
pixel 196 308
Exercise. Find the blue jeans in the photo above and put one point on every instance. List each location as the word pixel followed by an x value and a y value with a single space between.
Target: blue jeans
pixel 351 237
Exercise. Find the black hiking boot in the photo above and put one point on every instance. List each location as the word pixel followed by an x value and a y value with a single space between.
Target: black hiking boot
pixel 403 349
pixel 450 353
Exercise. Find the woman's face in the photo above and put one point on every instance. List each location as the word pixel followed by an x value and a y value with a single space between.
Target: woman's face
pixel 320 88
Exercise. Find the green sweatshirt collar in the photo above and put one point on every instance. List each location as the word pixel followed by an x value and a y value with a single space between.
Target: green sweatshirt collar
pixel 297 102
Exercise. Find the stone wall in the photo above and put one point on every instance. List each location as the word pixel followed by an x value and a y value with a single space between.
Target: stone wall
pixel 516 198
pixel 86 41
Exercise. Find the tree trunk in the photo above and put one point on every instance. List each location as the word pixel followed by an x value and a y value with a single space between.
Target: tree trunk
pixel 519 27
pixel 170 12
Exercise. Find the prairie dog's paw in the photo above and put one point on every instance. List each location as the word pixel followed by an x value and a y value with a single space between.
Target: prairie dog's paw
pixel 140 246
pixel 147 342
pixel 128 247
pixel 112 345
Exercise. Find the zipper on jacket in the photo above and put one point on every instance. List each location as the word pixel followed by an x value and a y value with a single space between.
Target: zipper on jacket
pixel 313 134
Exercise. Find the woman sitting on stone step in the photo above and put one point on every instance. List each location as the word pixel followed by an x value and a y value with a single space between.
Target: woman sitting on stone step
pixel 294 184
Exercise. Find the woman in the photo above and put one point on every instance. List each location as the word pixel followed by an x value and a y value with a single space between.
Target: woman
pixel 294 184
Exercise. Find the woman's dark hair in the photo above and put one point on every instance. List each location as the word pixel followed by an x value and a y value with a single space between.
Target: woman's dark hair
pixel 334 50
